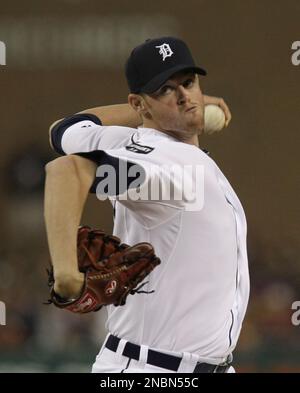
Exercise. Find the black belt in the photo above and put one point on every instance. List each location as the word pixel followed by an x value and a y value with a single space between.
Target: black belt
pixel 160 359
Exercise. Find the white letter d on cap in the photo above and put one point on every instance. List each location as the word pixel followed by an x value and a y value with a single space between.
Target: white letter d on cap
pixel 2 53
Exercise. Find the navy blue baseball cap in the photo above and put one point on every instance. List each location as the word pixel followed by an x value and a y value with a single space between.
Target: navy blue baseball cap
pixel 152 63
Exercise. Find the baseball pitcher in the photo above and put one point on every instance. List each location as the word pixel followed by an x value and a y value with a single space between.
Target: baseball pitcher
pixel 179 227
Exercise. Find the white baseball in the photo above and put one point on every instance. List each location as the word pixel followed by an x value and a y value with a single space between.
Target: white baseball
pixel 214 119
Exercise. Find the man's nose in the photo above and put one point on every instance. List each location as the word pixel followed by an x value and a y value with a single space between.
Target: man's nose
pixel 183 95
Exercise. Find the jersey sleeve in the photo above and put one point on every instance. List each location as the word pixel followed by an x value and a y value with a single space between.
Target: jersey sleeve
pixel 83 133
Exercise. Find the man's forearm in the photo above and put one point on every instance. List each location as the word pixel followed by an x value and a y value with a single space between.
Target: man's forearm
pixel 68 180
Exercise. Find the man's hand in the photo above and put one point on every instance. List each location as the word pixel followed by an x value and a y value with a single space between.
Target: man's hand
pixel 221 103
pixel 68 286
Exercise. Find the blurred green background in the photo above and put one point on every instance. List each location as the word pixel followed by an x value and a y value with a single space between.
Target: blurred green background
pixel 64 56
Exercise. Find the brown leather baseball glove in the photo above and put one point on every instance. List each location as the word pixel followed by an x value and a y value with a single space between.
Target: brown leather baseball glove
pixel 112 271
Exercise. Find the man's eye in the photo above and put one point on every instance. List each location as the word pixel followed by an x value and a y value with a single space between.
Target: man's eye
pixel 188 83
pixel 165 89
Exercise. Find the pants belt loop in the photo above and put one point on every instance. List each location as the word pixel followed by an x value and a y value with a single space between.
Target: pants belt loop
pixel 143 355
pixel 120 349
pixel 188 363
pixel 194 360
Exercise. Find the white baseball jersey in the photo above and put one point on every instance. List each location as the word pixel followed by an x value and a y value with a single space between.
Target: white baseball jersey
pixel 201 287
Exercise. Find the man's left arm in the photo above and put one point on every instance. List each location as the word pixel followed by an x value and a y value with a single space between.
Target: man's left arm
pixel 68 181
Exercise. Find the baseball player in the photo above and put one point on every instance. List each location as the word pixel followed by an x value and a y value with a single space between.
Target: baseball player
pixel 189 316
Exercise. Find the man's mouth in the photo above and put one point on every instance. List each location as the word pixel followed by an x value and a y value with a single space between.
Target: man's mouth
pixel 192 108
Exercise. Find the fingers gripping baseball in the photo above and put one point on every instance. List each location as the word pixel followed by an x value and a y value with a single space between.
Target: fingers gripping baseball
pixel 217 114
pixel 214 119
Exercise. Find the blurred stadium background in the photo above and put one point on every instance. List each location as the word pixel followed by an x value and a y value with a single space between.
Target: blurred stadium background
pixel 64 56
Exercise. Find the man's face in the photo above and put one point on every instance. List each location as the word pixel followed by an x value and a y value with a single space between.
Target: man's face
pixel 177 106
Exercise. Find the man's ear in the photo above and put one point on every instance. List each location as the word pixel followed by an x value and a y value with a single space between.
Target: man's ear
pixel 137 103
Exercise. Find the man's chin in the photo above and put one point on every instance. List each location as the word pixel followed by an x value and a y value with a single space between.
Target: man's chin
pixel 197 129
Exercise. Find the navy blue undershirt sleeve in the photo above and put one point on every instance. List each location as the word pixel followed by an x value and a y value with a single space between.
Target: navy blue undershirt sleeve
pixel 100 157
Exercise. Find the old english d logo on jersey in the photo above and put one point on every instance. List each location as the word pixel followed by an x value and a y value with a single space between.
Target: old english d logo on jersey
pixel 165 51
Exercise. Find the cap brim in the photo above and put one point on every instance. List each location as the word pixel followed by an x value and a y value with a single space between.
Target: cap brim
pixel 160 79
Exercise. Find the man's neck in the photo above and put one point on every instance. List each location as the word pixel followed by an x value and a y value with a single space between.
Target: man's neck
pixel 194 140
pixel 181 136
